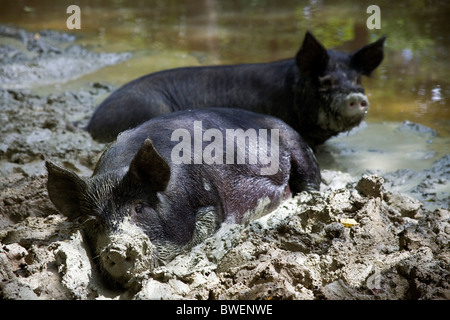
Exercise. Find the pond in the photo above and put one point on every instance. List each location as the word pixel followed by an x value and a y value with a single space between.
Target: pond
pixel 412 84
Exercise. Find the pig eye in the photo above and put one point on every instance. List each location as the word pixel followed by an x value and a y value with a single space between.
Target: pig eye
pixel 139 208
pixel 93 224
pixel 326 81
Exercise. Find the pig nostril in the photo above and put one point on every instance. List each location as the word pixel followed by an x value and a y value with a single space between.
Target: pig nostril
pixel 356 103
pixel 115 257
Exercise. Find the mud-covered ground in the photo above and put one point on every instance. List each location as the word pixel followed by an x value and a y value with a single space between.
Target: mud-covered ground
pixel 395 245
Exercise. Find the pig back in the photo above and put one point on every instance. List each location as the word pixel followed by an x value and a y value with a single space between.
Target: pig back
pixel 240 188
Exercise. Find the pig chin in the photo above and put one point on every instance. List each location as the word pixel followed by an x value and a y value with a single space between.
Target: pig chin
pixel 126 254
pixel 345 112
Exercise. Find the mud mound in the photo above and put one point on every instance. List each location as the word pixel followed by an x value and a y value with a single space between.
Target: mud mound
pixel 347 243
pixel 46 57
pixel 308 250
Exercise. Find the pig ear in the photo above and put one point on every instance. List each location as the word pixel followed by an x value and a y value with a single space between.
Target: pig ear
pixel 64 190
pixel 148 166
pixel 312 58
pixel 366 59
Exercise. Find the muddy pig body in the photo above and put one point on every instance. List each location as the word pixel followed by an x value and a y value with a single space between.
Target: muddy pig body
pixel 318 93
pixel 169 183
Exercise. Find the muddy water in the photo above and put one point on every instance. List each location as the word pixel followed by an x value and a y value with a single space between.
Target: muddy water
pixel 412 84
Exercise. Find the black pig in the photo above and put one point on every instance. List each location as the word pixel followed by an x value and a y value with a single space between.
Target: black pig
pixel 318 93
pixel 152 196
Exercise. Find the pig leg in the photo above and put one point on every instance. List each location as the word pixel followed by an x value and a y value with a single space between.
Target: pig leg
pixel 305 171
pixel 208 220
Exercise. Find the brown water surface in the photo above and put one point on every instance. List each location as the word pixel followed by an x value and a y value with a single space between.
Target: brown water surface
pixel 413 83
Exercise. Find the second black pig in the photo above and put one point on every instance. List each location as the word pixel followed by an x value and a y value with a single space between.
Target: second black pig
pixel 166 185
pixel 318 93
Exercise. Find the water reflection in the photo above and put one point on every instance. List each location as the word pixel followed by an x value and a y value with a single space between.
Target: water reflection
pixel 412 83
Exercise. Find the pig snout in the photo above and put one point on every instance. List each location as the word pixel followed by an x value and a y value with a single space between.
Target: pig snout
pixel 118 260
pixel 355 104
pixel 345 112
pixel 126 253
